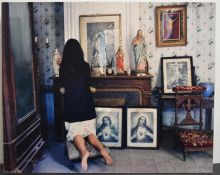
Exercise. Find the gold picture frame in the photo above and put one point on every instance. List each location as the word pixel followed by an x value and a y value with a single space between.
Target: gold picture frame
pixel 100 37
pixel 171 26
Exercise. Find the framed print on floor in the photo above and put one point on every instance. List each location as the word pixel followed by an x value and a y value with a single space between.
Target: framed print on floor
pixel 100 37
pixel 142 126
pixel 171 29
pixel 109 126
pixel 176 71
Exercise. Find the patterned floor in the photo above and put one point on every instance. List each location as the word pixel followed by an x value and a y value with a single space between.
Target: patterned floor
pixel 162 160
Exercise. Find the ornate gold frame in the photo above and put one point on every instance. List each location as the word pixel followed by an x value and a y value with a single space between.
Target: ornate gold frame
pixel 181 12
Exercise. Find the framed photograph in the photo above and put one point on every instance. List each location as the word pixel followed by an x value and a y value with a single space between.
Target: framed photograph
pixel 100 38
pixel 171 26
pixel 176 71
pixel 142 125
pixel 109 126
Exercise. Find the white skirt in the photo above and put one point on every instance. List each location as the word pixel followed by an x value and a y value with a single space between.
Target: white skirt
pixel 83 128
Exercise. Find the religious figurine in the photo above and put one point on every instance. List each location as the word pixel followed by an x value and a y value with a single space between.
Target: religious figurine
pixel 120 60
pixel 128 70
pixel 139 48
pixel 57 59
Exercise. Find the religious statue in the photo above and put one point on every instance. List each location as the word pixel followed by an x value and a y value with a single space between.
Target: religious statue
pixel 120 60
pixel 57 59
pixel 139 48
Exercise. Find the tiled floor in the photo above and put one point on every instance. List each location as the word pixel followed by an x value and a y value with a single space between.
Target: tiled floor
pixel 162 160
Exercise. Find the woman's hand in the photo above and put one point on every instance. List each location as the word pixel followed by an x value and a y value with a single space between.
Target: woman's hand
pixel 93 90
pixel 62 90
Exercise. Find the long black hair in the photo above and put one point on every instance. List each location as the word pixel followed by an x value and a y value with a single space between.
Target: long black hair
pixel 73 64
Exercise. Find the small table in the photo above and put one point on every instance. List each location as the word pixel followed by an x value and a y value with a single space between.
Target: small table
pixel 208 104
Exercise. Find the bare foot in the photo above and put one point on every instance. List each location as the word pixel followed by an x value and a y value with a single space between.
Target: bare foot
pixel 107 157
pixel 84 164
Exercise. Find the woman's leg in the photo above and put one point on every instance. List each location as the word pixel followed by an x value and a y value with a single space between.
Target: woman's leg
pixel 80 145
pixel 96 143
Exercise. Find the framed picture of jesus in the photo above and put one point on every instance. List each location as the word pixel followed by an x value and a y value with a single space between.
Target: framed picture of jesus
pixel 171 26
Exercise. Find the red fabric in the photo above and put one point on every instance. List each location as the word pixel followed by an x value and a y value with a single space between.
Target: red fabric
pixel 195 139
pixel 189 88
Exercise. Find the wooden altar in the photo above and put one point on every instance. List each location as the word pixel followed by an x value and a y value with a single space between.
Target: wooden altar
pixel 142 85
pixel 106 84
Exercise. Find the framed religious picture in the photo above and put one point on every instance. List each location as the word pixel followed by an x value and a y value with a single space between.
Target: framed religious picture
pixel 142 127
pixel 109 126
pixel 176 71
pixel 100 38
pixel 171 26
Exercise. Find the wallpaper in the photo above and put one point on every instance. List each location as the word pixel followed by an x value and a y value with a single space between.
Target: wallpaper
pixel 48 27
pixel 48 23
pixel 201 46
pixel 200 36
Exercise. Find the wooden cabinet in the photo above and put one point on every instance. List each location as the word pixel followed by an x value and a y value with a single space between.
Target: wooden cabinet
pixel 21 119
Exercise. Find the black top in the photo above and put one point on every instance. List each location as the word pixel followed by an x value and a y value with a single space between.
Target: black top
pixel 78 99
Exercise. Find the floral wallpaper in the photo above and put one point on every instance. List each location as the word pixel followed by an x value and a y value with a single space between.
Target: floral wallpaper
pixel 49 23
pixel 49 34
pixel 201 46
pixel 200 36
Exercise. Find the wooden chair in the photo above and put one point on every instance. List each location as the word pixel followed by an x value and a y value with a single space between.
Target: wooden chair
pixel 188 97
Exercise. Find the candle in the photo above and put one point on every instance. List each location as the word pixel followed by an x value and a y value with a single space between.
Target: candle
pixel 47 40
pixel 35 39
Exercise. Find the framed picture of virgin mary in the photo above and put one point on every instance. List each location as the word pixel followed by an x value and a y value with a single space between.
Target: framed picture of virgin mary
pixel 100 37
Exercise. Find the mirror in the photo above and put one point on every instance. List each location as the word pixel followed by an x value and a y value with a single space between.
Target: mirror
pixel 20 36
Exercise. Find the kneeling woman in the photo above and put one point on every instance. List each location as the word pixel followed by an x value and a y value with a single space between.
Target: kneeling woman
pixel 79 108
